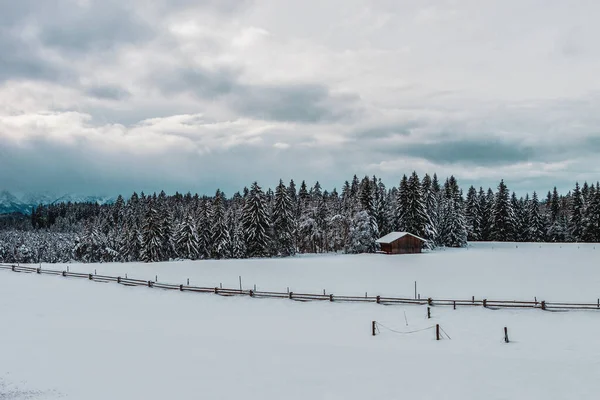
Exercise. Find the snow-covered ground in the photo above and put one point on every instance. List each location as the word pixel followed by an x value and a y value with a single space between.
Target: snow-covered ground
pixel 499 271
pixel 70 338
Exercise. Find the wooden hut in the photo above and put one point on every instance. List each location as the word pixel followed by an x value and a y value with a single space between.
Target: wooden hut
pixel 401 243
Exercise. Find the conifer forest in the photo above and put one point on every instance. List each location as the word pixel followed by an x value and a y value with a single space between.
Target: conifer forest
pixel 261 222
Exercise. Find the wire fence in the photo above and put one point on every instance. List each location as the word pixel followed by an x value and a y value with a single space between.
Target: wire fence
pixel 492 304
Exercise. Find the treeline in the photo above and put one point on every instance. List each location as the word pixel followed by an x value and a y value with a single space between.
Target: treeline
pixel 290 220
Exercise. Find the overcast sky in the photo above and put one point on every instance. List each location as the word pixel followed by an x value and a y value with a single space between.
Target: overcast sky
pixel 112 96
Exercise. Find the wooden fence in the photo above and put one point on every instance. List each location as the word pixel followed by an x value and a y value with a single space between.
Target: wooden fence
pixel 492 304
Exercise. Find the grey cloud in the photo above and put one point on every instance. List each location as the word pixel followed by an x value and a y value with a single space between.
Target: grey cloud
pixel 20 60
pixel 108 92
pixel 384 131
pixel 74 26
pixel 100 27
pixel 483 152
pixel 308 103
pixel 294 103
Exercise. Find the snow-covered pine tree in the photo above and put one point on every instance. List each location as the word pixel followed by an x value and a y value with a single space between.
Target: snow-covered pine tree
pixel 591 231
pixel 152 235
pixel 283 222
pixel 519 216
pixel 380 209
pixel 454 230
pixel 255 223
pixel 536 221
pixel 430 190
pixel 503 216
pixel 415 218
pixel 361 238
pixel 220 239
pixel 186 239
pixel 577 210
pixel 473 215
pixel 402 204
pixel 203 224
pixel 525 218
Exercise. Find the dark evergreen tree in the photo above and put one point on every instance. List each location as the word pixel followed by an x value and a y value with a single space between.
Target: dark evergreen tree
pixel 283 222
pixel 591 231
pixel 152 235
pixel 454 230
pixel 402 204
pixel 473 215
pixel 537 229
pixel 186 240
pixel 220 239
pixel 503 219
pixel 577 210
pixel 256 224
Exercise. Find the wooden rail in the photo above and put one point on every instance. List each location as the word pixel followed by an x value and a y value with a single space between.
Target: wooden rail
pixel 493 304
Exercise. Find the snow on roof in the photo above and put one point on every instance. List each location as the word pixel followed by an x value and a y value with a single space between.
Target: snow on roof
pixel 392 237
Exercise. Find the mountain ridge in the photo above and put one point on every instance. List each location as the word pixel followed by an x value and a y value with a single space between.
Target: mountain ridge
pixel 24 204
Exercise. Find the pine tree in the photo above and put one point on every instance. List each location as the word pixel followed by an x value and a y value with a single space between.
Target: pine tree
pixel 415 218
pixel 186 240
pixel 518 211
pixel 503 216
pixel 402 204
pixel 361 238
pixel 220 239
pixel 454 230
pixel 536 221
pixel 283 222
pixel 203 225
pixel 473 215
pixel 591 232
pixel 152 236
pixel 577 210
pixel 256 224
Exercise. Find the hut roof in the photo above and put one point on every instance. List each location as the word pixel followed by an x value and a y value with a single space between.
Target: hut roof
pixel 392 237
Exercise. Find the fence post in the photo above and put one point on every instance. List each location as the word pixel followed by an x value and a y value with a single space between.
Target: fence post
pixel 429 301
pixel 149 283
pixel 251 293
pixel 505 335
pixel 181 288
pixel 290 294
pixel 473 299
pixel 373 328
pixel 485 303
pixel 64 273
pixel 330 297
pixel 118 279
pixel 216 290
pixel 378 299
pixel 39 271
pixel 454 304
pixel 543 305
pixel 428 313
pixel 90 277
pixel 437 332
pixel 188 281
pixel 13 268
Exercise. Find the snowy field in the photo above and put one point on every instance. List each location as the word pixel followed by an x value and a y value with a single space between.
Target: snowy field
pixel 74 339
pixel 499 271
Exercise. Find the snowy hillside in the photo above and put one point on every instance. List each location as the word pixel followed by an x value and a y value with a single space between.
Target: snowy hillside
pixel 74 339
pixel 10 203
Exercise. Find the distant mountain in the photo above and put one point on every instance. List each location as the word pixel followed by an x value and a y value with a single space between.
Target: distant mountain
pixel 10 203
